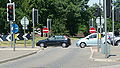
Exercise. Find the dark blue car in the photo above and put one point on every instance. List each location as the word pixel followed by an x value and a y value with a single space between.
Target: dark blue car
pixel 58 40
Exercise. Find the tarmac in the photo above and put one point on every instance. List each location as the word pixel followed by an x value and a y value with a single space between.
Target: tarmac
pixel 113 54
pixel 9 54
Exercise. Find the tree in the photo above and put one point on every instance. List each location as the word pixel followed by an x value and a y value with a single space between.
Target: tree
pixel 66 15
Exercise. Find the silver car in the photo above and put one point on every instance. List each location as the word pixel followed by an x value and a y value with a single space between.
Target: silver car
pixel 116 41
pixel 91 40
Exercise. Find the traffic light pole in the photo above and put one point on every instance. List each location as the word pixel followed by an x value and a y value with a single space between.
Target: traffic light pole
pixel 14 41
pixel 11 33
pixel 33 34
pixel 100 23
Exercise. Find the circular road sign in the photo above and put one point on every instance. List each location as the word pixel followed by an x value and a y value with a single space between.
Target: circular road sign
pixel 92 30
pixel 45 30
pixel 15 28
pixel 98 20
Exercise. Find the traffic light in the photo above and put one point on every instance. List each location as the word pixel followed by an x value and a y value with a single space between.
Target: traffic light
pixel 35 15
pixel 97 12
pixel 10 12
pixel 108 8
pixel 117 14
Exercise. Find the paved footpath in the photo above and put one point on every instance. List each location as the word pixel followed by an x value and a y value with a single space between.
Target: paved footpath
pixel 114 55
pixel 8 54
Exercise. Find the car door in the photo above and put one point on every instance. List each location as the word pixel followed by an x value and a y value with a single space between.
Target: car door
pixel 59 39
pixel 92 40
pixel 51 41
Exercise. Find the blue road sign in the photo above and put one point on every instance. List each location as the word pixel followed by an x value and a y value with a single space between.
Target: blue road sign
pixel 15 28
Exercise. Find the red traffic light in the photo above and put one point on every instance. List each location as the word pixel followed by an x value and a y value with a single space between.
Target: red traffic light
pixel 10 7
pixel 10 12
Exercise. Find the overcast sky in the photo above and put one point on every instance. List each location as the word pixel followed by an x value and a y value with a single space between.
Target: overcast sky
pixel 91 2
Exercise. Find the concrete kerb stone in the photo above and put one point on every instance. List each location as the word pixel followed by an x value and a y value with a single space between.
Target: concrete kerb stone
pixel 20 48
pixel 103 60
pixel 11 59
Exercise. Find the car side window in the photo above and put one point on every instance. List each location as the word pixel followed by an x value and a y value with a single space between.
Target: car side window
pixel 60 38
pixel 93 36
pixel 51 38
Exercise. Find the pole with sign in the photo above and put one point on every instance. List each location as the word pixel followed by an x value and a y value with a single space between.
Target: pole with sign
pixel 24 22
pixel 14 30
pixel 11 16
pixel 34 20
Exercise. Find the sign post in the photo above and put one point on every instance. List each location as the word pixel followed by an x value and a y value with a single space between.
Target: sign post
pixel 14 30
pixel 24 22
pixel 100 22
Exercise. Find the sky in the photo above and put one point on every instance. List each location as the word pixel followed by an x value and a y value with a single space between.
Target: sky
pixel 91 2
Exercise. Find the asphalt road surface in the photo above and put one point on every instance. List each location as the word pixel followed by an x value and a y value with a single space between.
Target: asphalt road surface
pixel 58 57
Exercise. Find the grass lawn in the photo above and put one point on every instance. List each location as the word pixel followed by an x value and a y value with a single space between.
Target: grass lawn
pixel 20 43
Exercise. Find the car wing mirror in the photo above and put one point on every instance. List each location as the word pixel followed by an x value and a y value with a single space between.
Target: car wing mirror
pixel 87 38
pixel 47 38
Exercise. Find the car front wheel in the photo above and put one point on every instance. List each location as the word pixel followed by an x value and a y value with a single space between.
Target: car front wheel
pixel 118 43
pixel 82 45
pixel 43 45
pixel 64 45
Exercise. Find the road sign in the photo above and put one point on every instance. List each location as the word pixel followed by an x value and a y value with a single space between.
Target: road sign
pixel 15 28
pixel 45 30
pixel 24 22
pixel 92 30
pixel 98 20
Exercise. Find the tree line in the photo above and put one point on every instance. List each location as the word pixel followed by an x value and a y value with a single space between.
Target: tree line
pixel 70 17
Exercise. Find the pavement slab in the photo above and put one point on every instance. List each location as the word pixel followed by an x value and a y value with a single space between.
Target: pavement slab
pixel 8 54
pixel 114 55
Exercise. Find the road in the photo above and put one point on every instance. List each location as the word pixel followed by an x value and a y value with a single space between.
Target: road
pixel 58 57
